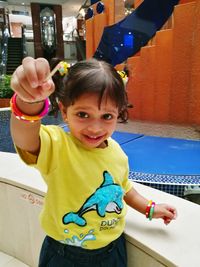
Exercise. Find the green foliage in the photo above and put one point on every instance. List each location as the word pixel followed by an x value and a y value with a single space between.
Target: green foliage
pixel 5 90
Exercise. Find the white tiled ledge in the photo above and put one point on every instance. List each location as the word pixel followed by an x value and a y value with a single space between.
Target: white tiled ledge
pixel 4 109
pixel 150 244
pixel 14 171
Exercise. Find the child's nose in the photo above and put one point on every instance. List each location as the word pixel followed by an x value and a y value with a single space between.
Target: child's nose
pixel 95 127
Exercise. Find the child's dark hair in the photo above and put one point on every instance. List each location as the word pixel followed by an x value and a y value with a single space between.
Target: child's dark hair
pixel 89 76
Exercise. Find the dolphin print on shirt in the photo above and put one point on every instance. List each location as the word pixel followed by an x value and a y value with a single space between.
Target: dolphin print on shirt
pixel 107 198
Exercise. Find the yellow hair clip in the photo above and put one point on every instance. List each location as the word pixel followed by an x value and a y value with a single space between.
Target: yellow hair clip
pixel 123 76
pixel 63 67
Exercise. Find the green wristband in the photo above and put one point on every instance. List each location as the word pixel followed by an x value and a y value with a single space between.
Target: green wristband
pixel 151 211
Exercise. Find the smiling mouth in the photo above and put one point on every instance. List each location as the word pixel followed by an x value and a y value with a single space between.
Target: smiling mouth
pixel 93 138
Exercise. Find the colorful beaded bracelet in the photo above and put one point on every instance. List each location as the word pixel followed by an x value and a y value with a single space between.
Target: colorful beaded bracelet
pixel 150 210
pixel 28 118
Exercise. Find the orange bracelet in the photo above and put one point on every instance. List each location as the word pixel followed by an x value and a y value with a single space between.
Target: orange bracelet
pixel 24 117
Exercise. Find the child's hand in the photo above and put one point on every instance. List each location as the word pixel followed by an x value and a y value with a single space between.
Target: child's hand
pixel 28 80
pixel 166 212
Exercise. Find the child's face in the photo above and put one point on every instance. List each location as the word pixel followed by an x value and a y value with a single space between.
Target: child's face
pixel 89 124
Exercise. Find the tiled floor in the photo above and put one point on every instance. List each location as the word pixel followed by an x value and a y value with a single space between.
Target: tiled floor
pixel 158 129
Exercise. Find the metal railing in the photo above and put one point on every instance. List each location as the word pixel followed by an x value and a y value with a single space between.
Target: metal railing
pixel 4 50
pixel 24 41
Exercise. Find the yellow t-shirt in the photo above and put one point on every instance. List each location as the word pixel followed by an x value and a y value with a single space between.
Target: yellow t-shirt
pixel 84 203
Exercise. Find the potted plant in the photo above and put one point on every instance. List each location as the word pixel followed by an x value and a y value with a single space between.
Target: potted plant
pixel 5 91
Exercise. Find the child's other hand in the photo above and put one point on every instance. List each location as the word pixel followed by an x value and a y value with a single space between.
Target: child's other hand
pixel 28 80
pixel 165 212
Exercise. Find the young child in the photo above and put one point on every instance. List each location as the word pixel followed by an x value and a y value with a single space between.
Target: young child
pixel 86 171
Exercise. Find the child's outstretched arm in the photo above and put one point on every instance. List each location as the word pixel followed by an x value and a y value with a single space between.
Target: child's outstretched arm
pixel 31 88
pixel 141 204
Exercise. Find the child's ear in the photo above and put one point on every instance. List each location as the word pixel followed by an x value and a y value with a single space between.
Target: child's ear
pixel 63 111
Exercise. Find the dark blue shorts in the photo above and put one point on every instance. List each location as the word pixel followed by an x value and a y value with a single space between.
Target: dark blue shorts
pixel 55 254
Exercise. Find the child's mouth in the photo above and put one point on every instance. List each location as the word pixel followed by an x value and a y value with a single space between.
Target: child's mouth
pixel 93 139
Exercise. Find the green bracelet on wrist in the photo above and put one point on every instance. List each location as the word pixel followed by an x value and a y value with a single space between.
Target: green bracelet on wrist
pixel 151 212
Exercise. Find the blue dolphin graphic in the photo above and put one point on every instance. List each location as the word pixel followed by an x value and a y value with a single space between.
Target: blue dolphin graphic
pixel 107 198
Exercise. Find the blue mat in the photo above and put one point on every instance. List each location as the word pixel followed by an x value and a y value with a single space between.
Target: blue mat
pixel 160 155
pixel 170 158
pixel 124 137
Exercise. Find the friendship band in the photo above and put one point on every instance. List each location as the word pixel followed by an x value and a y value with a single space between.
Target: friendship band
pixel 28 118
pixel 150 210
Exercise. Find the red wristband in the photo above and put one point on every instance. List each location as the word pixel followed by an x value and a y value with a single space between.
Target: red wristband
pixel 24 117
pixel 148 208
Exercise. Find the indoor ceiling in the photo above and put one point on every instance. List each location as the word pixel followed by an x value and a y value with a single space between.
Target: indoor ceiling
pixel 69 7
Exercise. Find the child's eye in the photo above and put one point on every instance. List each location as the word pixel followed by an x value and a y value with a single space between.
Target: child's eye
pixel 82 114
pixel 107 116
